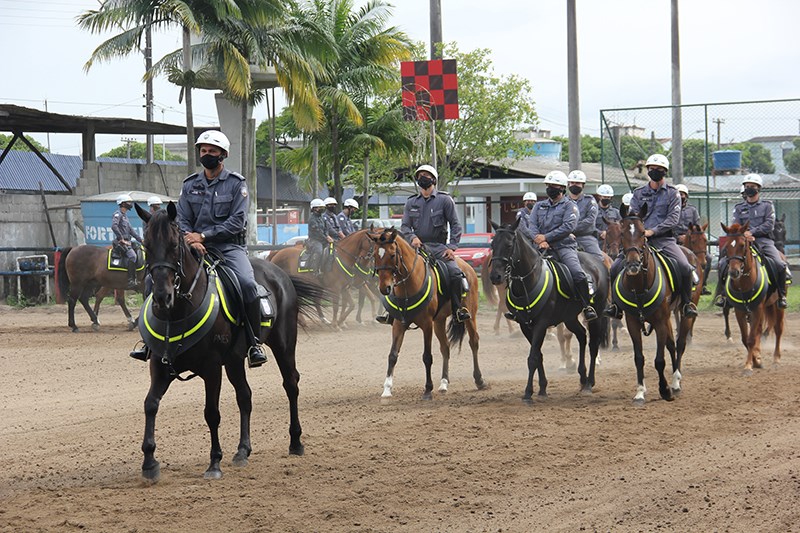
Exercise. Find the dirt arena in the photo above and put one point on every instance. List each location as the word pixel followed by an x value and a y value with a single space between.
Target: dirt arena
pixel 723 457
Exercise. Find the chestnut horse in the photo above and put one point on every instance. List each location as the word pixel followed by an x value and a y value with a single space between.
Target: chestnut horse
pixel 83 270
pixel 752 296
pixel 410 284
pixel 696 241
pixel 642 290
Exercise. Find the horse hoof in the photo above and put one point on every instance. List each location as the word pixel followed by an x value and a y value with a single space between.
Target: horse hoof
pixel 528 400
pixel 586 391
pixel 297 450
pixel 95 327
pixel 638 402
pixel 542 395
pixel 676 392
pixel 482 385
pixel 76 329
pixel 775 366
pixel 427 396
pixel 213 474
pixel 152 474
pixel 131 326
pixel 240 459
pixel 667 396
pixel 757 364
pixel 747 372
pixel 615 348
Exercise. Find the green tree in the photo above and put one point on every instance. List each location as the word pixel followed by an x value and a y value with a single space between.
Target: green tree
pixel 491 109
pixel 590 148
pixel 139 151
pixel 792 159
pixel 19 145
pixel 694 158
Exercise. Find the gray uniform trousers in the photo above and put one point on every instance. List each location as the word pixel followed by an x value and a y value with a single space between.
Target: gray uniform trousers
pixel 569 256
pixel 589 244
pixel 236 258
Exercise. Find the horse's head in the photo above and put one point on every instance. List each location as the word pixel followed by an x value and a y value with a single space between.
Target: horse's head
pixel 738 249
pixel 779 230
pixel 697 241
pixel 503 246
pixel 388 257
pixel 633 243
pixel 166 251
pixel 613 234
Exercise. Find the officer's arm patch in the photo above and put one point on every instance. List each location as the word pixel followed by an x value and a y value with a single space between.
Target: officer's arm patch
pixel 243 190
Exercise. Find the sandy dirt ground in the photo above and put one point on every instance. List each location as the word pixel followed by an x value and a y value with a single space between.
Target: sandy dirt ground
pixel 723 457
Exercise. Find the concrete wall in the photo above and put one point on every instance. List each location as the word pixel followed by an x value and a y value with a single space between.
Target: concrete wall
pixel 23 221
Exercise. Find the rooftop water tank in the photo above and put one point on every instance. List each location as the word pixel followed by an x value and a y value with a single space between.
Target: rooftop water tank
pixel 727 160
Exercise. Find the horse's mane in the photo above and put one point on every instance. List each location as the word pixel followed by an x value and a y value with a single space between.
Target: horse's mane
pixel 734 228
pixel 159 227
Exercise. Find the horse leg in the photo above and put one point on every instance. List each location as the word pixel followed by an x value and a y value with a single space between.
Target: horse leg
pixel 756 329
pixel 474 343
pixel 398 332
pixel 536 363
pixel 71 301
pixel 498 315
pixel 244 400
pixel 664 339
pixel 726 311
pixel 84 299
pixel 616 324
pixel 427 358
pixel 744 330
pixel 159 383
pixel 362 294
pixel 635 332
pixel 99 296
pixel 120 298
pixel 283 343
pixel 575 326
pixel 213 384
pixel 347 307
pixel 684 329
pixel 439 329
pixel 777 327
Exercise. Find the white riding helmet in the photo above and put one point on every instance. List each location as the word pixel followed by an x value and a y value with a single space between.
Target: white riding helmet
pixel 658 160
pixel 427 168
pixel 316 202
pixel 682 188
pixel 124 198
pixel 626 198
pixel 530 196
pixel 605 190
pixel 351 203
pixel 577 176
pixel 556 177
pixel 330 200
pixel 154 200
pixel 753 178
pixel 215 138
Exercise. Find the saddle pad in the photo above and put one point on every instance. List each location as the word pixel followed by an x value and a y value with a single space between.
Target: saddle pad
pixel 119 262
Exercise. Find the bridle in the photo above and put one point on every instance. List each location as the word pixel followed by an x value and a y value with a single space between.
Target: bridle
pixel 177 268
pixel 746 268
pixel 398 262
pixel 642 262
pixel 512 260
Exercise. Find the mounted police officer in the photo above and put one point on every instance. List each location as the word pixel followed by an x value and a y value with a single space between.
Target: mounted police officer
pixel 318 237
pixel 426 218
pixel 552 224
pixel 663 212
pixel 761 216
pixel 124 235
pixel 154 203
pixel 689 214
pixel 524 212
pixel 212 213
pixel 605 212
pixel 346 225
pixel 329 215
pixel 586 228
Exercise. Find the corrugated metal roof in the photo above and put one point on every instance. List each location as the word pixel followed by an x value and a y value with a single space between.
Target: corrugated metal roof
pixel 22 171
pixel 135 161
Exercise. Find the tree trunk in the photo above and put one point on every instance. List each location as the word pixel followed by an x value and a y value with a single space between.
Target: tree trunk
pixel 365 201
pixel 337 166
pixel 187 67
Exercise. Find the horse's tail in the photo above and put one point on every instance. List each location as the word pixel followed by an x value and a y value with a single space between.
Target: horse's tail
pixel 603 330
pixel 61 273
pixel 455 332
pixel 489 290
pixel 309 294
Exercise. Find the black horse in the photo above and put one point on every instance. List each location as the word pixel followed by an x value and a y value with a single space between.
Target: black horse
pixel 186 302
pixel 539 300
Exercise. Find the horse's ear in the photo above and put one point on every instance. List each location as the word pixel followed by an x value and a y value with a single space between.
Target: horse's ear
pixel 643 211
pixel 172 211
pixel 515 225
pixel 371 227
pixel 745 227
pixel 623 210
pixel 783 217
pixel 144 215
pixel 495 226
pixel 704 227
pixel 724 228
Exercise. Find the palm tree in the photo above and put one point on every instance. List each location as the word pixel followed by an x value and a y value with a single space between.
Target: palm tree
pixel 365 60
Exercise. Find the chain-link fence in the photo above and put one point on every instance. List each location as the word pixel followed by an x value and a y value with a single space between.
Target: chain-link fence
pixel 720 142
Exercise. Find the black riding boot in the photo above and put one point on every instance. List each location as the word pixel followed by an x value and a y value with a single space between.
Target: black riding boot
pixel 132 276
pixel 142 354
pixel 707 272
pixel 781 282
pixel 582 288
pixel 719 298
pixel 255 355
pixel 689 309
pixel 460 312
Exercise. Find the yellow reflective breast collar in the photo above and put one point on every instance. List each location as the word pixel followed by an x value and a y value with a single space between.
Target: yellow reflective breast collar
pixel 405 308
pixel 537 296
pixel 628 300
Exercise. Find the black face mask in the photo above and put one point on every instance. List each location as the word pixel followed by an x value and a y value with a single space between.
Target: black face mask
pixel 604 202
pixel 553 192
pixel 425 183
pixel 656 174
pixel 575 189
pixel 211 161
pixel 529 205
pixel 683 202
pixel 750 191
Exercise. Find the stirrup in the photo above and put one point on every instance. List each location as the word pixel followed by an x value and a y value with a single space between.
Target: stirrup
pixel 782 303
pixel 705 291
pixel 509 315
pixel 462 315
pixel 383 319
pixel 613 311
pixel 256 356
pixel 719 301
pixel 690 310
pixel 589 313
pixel 140 354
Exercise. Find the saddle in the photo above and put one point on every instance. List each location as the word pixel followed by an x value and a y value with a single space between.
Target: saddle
pixel 118 260
pixel 230 293
pixel 305 265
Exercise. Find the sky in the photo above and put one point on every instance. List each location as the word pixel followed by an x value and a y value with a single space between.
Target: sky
pixel 731 51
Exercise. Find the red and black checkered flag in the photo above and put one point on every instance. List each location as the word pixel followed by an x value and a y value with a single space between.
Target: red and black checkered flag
pixel 430 89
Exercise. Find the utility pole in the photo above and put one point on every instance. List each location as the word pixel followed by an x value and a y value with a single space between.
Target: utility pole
pixel 148 97
pixel 128 141
pixel 718 122
pixel 436 53
pixel 573 100
pixel 677 111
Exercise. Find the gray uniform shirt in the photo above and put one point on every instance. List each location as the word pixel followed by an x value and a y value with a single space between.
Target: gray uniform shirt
pixel 556 221
pixel 587 215
pixel 609 213
pixel 345 224
pixel 663 211
pixel 428 219
pixel 216 208
pixel 689 215
pixel 121 227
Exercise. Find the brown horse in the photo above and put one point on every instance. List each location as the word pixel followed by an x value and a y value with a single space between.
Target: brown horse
pixel 119 299
pixel 643 291
pixel 410 284
pixel 752 295
pixel 697 242
pixel 352 267
pixel 82 270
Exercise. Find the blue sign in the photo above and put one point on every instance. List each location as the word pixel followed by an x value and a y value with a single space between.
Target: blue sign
pixel 285 232
pixel 97 222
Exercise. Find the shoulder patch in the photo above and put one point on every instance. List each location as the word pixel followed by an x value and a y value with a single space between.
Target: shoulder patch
pixel 237 175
